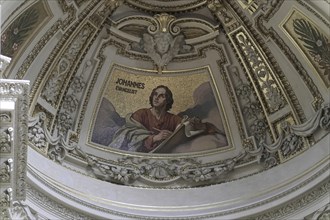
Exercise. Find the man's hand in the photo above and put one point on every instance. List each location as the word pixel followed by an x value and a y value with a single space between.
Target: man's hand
pixel 206 127
pixel 197 124
pixel 162 135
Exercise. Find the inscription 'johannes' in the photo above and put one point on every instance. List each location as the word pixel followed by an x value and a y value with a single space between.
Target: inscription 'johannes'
pixel 128 83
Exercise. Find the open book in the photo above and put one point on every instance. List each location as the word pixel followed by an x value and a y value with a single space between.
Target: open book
pixel 181 135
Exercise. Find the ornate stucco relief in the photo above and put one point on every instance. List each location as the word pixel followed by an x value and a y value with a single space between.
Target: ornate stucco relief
pixel 322 213
pixel 294 202
pixel 20 210
pixel 162 38
pixel 257 65
pixel 251 111
pixel 127 170
pixel 50 33
pixel 290 140
pixel 60 153
pixel 262 73
pixel 270 9
pixel 14 103
pixel 60 96
pixel 54 91
pixel 61 132
pixel 223 11
pixel 162 42
pixel 270 32
pixel 5 170
pixel 61 147
pixel 63 67
pixel 73 26
pixel 251 5
pixel 51 206
pixel 305 200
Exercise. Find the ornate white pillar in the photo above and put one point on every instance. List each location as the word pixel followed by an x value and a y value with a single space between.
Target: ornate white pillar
pixel 13 146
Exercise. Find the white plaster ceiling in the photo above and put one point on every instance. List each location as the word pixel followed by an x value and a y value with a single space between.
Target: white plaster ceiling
pixel 77 42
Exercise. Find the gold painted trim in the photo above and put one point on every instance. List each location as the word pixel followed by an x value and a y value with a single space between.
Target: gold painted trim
pixel 232 37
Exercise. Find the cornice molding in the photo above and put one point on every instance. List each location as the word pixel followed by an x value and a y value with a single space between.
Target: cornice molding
pixel 303 193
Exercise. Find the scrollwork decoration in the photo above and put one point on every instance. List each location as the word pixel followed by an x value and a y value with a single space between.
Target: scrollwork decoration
pixel 6 136
pixel 42 138
pixel 55 82
pixel 6 197
pixel 128 169
pixel 290 139
pixel 36 132
pixel 8 88
pixel 204 173
pixel 20 210
pixel 272 93
pixel 163 40
pixel 5 117
pixel 251 109
pixel 5 170
pixel 323 213
pixel 218 7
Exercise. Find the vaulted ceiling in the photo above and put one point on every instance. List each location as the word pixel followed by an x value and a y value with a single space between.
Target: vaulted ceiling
pixel 256 70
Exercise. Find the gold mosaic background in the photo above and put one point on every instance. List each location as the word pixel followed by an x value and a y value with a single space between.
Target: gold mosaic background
pixel 181 84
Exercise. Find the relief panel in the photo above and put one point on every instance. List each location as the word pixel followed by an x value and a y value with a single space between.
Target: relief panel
pixel 312 41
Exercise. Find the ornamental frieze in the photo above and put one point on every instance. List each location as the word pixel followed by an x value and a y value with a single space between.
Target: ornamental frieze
pixel 266 81
pixel 64 66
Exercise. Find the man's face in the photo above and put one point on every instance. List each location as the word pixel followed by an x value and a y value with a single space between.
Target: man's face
pixel 159 98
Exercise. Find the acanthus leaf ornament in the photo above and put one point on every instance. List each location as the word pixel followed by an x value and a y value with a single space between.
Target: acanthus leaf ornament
pixel 128 169
pixel 55 145
pixel 6 135
pixel 5 170
pixel 290 138
pixel 21 210
pixel 274 98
